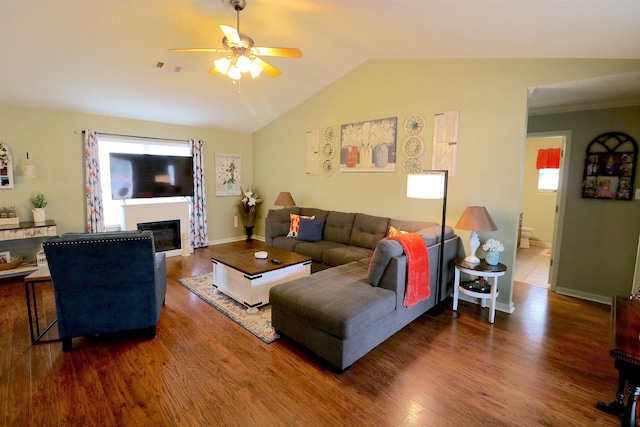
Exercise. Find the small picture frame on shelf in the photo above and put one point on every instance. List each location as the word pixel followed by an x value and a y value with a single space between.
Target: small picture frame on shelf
pixel 6 167
pixel 5 257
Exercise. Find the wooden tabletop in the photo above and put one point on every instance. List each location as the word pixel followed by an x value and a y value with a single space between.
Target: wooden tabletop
pixel 246 262
pixel 40 275
pixel 481 267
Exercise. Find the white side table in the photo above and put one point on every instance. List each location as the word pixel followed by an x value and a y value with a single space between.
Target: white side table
pixel 482 269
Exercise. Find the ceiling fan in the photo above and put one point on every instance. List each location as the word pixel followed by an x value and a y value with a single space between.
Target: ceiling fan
pixel 242 55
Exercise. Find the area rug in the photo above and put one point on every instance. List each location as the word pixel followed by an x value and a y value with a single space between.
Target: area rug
pixel 258 324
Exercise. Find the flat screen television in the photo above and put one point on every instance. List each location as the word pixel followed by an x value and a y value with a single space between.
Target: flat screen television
pixel 141 176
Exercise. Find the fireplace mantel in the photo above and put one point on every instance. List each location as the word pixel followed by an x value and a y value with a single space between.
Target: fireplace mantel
pixel 134 214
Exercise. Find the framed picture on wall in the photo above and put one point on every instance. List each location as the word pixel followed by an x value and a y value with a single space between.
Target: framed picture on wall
pixel 6 167
pixel 228 174
pixel 369 146
pixel 609 168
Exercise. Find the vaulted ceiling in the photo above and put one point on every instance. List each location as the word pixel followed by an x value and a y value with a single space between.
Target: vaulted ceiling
pixel 101 56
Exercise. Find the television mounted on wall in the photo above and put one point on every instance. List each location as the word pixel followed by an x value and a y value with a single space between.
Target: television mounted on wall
pixel 143 176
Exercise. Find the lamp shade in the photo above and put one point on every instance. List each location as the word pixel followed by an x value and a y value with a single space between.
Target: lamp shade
pixel 476 218
pixel 428 185
pixel 284 199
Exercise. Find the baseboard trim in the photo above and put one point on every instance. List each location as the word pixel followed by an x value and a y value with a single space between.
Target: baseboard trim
pixel 233 239
pixel 583 295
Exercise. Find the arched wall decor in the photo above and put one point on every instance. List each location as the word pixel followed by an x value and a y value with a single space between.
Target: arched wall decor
pixel 610 167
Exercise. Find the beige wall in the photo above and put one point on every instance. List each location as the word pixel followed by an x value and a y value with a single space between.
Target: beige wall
pixel 538 206
pixel 491 96
pixel 54 141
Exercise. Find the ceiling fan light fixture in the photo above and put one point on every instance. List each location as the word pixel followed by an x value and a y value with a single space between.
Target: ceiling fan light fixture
pixel 242 56
pixel 255 70
pixel 222 64
pixel 234 73
pixel 244 64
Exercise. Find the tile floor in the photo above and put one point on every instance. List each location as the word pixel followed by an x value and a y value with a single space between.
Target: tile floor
pixel 532 266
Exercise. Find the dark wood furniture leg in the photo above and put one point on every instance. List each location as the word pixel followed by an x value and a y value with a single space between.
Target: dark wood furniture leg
pixel 617 406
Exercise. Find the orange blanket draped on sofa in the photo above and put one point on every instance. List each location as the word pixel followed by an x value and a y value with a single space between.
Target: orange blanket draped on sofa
pixel 415 249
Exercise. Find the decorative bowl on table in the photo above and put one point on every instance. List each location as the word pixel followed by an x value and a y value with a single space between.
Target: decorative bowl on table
pixel 11 265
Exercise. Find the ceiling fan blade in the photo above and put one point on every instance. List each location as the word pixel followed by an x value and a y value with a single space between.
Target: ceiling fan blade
pixel 200 49
pixel 214 70
pixel 288 52
pixel 231 34
pixel 267 68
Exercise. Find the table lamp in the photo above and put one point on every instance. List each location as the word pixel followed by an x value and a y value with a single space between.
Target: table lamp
pixel 284 199
pixel 474 219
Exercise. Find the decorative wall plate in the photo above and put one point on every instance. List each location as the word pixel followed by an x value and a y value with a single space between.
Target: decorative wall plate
pixel 413 146
pixel 328 168
pixel 412 165
pixel 328 151
pixel 329 134
pixel 414 125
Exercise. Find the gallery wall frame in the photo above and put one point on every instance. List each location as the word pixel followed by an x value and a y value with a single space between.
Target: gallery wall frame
pixel 369 146
pixel 610 167
pixel 6 167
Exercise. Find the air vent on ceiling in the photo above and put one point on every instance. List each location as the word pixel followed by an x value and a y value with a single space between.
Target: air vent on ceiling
pixel 168 68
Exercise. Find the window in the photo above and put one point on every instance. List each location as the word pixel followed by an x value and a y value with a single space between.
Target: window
pixel 548 179
pixel 106 145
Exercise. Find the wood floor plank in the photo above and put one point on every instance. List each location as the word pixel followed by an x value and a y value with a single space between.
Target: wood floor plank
pixel 546 364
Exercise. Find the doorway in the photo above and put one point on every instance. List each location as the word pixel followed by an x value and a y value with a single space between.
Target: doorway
pixel 541 212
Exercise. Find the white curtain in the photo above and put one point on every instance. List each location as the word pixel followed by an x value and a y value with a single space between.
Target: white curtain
pixel 198 222
pixel 95 211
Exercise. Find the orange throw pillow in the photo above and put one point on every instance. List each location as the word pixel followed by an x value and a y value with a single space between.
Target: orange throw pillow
pixel 294 223
pixel 395 232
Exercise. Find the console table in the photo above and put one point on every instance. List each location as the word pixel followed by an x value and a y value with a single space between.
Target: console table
pixel 625 349
pixel 24 239
pixel 40 276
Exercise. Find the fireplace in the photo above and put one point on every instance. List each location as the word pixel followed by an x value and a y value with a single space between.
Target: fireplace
pixel 166 234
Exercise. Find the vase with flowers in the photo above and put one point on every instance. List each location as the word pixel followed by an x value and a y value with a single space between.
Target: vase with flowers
pixel 249 205
pixel 493 248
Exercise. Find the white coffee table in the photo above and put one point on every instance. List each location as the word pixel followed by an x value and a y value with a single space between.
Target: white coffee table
pixel 247 279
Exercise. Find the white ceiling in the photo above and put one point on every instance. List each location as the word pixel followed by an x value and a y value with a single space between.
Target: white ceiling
pixel 99 56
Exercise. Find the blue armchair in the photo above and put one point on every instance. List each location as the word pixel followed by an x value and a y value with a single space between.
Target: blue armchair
pixel 106 282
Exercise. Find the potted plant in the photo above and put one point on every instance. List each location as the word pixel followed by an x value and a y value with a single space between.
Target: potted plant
pixel 39 201
pixel 249 205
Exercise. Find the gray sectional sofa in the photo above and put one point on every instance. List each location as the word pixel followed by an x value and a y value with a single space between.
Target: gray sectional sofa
pixel 355 298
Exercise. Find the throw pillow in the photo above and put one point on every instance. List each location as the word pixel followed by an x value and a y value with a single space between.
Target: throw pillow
pixel 294 223
pixel 395 232
pixel 310 230
pixel 385 250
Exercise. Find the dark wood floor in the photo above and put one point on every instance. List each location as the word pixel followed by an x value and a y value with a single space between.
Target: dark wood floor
pixel 547 364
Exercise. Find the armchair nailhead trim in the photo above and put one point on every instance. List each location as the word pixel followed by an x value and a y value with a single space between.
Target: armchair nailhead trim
pixel 75 242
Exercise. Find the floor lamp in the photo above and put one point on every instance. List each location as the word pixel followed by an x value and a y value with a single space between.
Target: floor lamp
pixel 432 184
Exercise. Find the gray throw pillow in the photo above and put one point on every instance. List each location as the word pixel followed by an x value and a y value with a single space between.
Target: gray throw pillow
pixel 385 250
